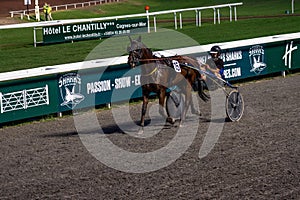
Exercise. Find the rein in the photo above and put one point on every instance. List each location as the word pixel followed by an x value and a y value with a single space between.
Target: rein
pixel 154 70
pixel 157 59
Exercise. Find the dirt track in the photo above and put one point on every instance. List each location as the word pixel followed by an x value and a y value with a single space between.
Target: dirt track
pixel 257 157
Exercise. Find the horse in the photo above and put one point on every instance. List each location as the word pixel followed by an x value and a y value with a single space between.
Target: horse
pixel 158 74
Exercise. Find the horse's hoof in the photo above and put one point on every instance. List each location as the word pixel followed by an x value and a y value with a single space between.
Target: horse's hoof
pixel 181 125
pixel 141 131
pixel 170 120
pixel 196 112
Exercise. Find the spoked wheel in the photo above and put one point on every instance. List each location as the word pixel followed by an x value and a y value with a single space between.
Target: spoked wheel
pixel 234 106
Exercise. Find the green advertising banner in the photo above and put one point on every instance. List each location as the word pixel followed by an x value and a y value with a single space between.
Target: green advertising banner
pixel 259 59
pixel 92 30
pixel 88 88
pixel 47 94
pixel 28 98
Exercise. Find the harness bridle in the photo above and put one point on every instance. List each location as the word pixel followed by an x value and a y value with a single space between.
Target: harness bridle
pixel 136 54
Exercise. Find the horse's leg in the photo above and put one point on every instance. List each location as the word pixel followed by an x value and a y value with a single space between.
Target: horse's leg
pixel 162 96
pixel 144 109
pixel 187 102
pixel 193 109
pixel 192 80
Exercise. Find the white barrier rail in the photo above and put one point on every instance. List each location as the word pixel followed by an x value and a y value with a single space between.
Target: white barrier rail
pixel 47 70
pixel 63 7
pixel 216 9
pixel 293 6
pixel 198 10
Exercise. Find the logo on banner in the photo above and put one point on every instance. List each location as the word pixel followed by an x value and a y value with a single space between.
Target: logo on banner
pixel 287 57
pixel 70 89
pixel 257 59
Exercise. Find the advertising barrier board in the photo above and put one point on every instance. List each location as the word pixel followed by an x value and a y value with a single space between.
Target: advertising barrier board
pixel 259 59
pixel 45 94
pixel 88 88
pixel 92 30
pixel 28 98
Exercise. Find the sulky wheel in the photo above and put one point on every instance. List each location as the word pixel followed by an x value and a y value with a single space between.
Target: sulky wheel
pixel 234 106
pixel 175 105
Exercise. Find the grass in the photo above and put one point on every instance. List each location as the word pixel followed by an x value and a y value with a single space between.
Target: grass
pixel 17 51
pixel 249 8
pixel 243 29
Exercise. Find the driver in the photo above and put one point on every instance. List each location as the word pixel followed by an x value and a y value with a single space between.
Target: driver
pixel 215 64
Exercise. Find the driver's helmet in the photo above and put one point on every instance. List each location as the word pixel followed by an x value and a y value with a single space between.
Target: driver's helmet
pixel 215 51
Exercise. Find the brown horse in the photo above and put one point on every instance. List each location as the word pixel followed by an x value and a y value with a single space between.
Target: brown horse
pixel 158 74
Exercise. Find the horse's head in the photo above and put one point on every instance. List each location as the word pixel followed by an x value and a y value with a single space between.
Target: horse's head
pixel 136 51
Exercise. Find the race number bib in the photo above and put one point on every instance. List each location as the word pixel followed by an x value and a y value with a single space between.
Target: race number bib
pixel 176 65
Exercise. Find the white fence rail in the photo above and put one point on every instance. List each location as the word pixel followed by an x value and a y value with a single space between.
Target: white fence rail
pixel 216 9
pixel 216 15
pixel 23 13
pixel 293 6
pixel 197 10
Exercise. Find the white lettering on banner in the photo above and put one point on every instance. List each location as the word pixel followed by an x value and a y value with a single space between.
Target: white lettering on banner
pixel 66 29
pixel 222 56
pixel 232 73
pixel 51 30
pixel 234 55
pixel 123 26
pixel 142 24
pixel 98 86
pixel 256 50
pixel 134 25
pixel 106 85
pixel 88 27
pixel 108 33
pixel 202 59
pixel 287 57
pixel 137 80
pixel 69 80
pixel 226 57
pixel 123 82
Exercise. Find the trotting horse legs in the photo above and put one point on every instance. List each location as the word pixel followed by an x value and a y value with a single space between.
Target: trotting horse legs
pixel 144 108
pixel 162 96
pixel 187 104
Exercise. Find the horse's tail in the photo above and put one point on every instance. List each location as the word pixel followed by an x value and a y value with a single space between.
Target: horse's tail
pixel 201 87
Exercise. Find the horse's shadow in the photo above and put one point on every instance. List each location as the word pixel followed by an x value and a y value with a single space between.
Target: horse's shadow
pixel 110 129
pixel 218 121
